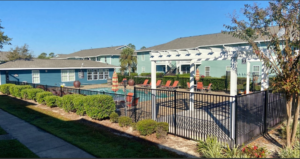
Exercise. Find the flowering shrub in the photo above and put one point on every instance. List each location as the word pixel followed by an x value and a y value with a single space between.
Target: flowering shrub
pixel 254 151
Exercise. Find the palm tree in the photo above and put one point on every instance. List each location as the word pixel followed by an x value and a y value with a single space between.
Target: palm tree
pixel 127 59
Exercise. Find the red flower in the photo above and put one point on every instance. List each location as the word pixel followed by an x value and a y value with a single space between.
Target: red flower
pixel 256 154
pixel 243 149
pixel 259 156
pixel 254 148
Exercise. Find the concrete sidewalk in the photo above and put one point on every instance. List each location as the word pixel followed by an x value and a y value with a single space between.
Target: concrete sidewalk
pixel 41 143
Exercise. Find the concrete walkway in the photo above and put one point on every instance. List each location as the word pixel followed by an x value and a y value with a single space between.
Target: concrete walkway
pixel 41 143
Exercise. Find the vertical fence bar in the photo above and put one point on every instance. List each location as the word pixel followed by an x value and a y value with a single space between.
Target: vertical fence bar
pixel 266 109
pixel 60 91
pixel 175 117
pixel 135 107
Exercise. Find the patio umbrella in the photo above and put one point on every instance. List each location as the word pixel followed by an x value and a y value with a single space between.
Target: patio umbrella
pixel 115 82
pixel 197 75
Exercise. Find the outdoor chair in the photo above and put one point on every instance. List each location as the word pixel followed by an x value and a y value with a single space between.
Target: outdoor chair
pixel 200 86
pixel 167 84
pixel 129 100
pixel 144 84
pixel 174 86
pixel 158 83
pixel 209 88
pixel 123 80
pixel 188 85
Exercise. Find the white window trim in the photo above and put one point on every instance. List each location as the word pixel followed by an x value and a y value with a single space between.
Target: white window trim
pixel 207 71
pixel 38 74
pixel 68 76
pixel 256 71
pixel 226 68
pixel 143 69
pixel 103 70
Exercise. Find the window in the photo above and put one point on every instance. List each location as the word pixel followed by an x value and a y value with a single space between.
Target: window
pixel 207 71
pixel 228 68
pixel 93 58
pixel 97 74
pixel 67 75
pixel 255 70
pixel 143 70
pixel 98 58
pixel 143 56
pixel 35 76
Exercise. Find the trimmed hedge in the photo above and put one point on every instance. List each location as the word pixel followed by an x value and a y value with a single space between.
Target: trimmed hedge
pixel 41 95
pixel 11 90
pixel 18 89
pixel 51 100
pixel 59 102
pixel 159 75
pixel 79 104
pixel 114 117
pixel 67 102
pixel 162 129
pixel 99 106
pixel 124 121
pixel 31 93
pixel 5 88
pixel 146 127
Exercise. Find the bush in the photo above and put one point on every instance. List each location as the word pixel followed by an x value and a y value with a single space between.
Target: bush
pixel 146 127
pixel 235 152
pixel 210 148
pixel 59 102
pixel 149 74
pixel 79 105
pixel 114 117
pixel 124 121
pixel 254 151
pixel 31 93
pixel 99 106
pixel 41 95
pixel 11 90
pixel 51 100
pixel 18 89
pixel 5 88
pixel 290 152
pixel 67 102
pixel 161 129
pixel 133 125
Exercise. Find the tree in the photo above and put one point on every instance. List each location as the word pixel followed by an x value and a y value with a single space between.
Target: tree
pixel 19 53
pixel 4 39
pixel 131 46
pixel 51 55
pixel 283 61
pixel 143 47
pixel 127 59
pixel 43 56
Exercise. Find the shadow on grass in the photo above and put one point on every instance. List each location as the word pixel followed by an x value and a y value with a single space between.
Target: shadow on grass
pixel 96 139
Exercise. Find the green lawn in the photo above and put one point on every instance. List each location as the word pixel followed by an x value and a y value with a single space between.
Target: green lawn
pixel 14 149
pixel 96 141
pixel 2 132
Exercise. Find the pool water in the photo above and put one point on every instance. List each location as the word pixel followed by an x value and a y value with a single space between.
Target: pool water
pixel 143 95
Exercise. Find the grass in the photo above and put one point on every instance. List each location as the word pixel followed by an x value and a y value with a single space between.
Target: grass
pixel 96 141
pixel 14 149
pixel 2 132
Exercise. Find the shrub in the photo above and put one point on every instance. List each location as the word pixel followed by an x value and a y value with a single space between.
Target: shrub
pixel 124 121
pixel 161 129
pixel 133 125
pixel 79 104
pixel 11 90
pixel 210 148
pixel 5 88
pixel 290 152
pixel 254 151
pixel 31 93
pixel 51 100
pixel 18 89
pixel 99 106
pixel 59 102
pixel 114 117
pixel 67 102
pixel 146 127
pixel 41 95
pixel 235 152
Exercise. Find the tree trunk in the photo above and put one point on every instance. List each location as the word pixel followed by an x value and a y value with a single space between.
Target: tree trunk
pixel 129 69
pixel 289 117
pixel 295 122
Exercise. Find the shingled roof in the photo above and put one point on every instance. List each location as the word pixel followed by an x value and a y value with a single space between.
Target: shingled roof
pixel 201 40
pixel 53 64
pixel 114 50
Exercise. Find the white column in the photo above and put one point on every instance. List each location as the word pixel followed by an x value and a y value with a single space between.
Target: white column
pixel 233 92
pixel 180 69
pixel 192 77
pixel 153 86
pixel 248 77
pixel 264 77
pixel 166 68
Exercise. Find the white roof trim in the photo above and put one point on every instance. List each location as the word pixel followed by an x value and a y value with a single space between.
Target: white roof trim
pixel 64 68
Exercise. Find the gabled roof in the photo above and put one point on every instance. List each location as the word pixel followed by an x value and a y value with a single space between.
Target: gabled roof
pixel 114 50
pixel 53 64
pixel 3 56
pixel 201 41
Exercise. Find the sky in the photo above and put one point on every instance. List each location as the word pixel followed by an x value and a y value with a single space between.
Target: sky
pixel 65 27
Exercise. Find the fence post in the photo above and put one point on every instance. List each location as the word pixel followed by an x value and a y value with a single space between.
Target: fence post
pixel 134 96
pixel 234 118
pixel 60 91
pixel 175 107
pixel 79 90
pixel 266 111
pixel 46 87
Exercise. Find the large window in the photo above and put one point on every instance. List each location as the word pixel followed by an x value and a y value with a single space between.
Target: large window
pixel 67 75
pixel 97 74
pixel 35 76
pixel 255 70
pixel 207 71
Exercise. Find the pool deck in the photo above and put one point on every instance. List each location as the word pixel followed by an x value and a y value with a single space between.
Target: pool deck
pixel 131 88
